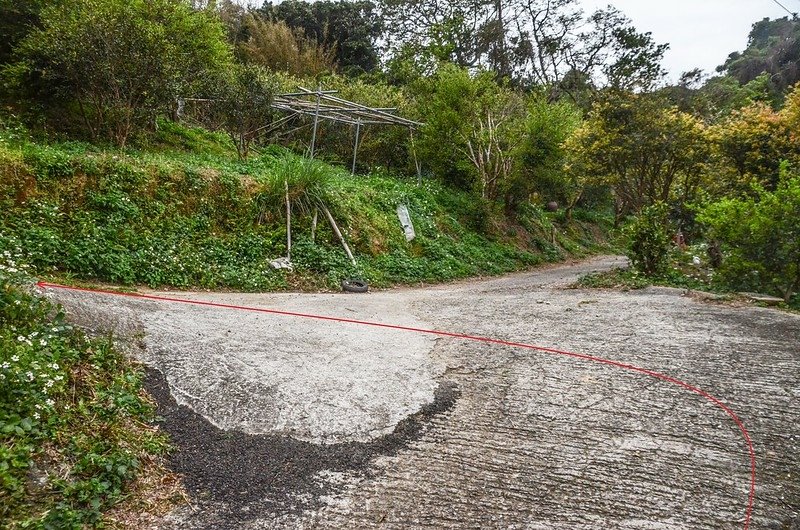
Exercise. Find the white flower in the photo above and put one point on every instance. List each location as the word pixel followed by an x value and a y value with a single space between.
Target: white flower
pixel 50 402
pixel 5 366
pixel 54 366
pixel 47 383
pixel 43 342
pixel 29 375
pixel 21 338
pixel 15 358
pixel 36 415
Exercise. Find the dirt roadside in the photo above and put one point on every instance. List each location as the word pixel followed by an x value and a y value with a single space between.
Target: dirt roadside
pixel 283 422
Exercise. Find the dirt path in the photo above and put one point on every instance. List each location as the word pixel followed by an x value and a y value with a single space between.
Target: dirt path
pixel 293 423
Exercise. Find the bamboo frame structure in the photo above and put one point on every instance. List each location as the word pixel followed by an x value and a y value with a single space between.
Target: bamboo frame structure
pixel 324 105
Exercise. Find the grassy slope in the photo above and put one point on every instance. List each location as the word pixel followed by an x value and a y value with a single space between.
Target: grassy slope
pixel 185 213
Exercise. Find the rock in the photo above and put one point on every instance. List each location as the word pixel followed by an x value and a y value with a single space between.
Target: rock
pixel 763 298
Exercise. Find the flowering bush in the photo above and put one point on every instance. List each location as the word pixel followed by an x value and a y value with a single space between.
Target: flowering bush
pixel 72 415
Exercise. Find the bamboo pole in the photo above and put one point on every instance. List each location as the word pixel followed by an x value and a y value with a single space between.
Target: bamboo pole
pixel 385 115
pixel 338 234
pixel 316 125
pixel 355 146
pixel 288 222
pixel 414 154
pixel 314 225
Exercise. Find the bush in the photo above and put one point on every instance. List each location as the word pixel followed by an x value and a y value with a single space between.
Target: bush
pixel 109 66
pixel 760 237
pixel 242 105
pixel 649 240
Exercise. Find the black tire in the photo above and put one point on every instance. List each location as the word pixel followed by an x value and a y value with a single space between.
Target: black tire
pixel 355 286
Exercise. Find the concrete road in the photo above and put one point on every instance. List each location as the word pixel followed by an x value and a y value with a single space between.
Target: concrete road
pixel 288 422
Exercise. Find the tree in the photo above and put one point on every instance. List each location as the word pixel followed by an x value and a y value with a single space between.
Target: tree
pixel 530 42
pixel 17 19
pixel 751 144
pixel 120 62
pixel 542 153
pixel 716 98
pixel 556 42
pixel 449 29
pixel 453 102
pixel 791 114
pixel 761 235
pixel 234 18
pixel 277 46
pixel 350 29
pixel 643 149
pixel 242 105
pixel 637 60
pixel 490 146
pixel 773 48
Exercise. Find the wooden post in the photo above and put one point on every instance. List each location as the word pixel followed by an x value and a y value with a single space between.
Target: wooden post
pixel 288 222
pixel 355 146
pixel 316 123
pixel 338 234
pixel 414 154
pixel 314 226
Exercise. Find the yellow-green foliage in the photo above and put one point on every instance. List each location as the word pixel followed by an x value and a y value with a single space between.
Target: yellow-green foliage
pixel 644 150
pixel 752 143
pixel 277 46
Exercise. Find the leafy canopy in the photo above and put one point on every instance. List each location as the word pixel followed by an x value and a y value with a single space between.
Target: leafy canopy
pixel 114 63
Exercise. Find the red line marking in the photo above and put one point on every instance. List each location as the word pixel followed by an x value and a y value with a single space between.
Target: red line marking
pixel 617 364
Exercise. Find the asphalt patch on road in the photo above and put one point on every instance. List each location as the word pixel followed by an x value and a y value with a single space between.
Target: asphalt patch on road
pixel 244 476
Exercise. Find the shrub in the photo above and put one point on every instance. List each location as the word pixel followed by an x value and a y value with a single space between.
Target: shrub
pixel 114 64
pixel 649 240
pixel 760 236
pixel 242 105
pixel 276 46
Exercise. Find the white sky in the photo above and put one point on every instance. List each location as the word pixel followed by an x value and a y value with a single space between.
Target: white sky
pixel 701 33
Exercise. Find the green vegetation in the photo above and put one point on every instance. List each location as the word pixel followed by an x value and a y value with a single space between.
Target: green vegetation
pixel 649 240
pixel 109 66
pixel 73 418
pixel 535 135
pixel 771 56
pixel 181 219
pixel 748 227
